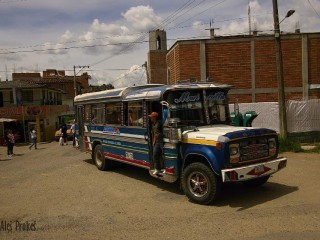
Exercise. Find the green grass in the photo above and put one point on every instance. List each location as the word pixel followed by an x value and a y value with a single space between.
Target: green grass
pixel 291 145
pixel 316 149
pixel 288 145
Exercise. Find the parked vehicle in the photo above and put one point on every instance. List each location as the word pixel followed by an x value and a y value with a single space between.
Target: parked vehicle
pixel 201 147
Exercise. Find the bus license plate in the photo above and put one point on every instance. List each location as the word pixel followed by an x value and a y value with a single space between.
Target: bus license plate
pixel 259 169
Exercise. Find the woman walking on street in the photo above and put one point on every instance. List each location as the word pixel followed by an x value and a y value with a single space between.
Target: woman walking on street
pixel 33 136
pixel 10 143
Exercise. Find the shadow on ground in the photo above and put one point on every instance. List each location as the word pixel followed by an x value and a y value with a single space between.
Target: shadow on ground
pixel 143 175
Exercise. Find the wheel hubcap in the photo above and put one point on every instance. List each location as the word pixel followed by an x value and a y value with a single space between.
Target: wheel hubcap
pixel 198 184
pixel 98 158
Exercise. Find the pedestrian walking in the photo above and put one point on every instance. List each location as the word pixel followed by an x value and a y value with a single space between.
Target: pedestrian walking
pixel 64 130
pixel 10 143
pixel 33 135
pixel 73 131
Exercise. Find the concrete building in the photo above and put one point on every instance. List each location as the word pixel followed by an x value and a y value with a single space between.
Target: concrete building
pixel 32 101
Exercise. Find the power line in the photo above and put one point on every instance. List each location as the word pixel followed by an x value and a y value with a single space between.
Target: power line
pixel 12 1
pixel 142 38
pixel 214 5
pixel 72 47
pixel 313 8
pixel 166 23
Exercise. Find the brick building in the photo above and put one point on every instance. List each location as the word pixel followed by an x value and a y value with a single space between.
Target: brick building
pixel 247 62
pixel 56 79
pixel 32 101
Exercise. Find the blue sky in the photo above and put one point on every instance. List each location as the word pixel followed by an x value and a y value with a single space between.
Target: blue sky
pixel 111 36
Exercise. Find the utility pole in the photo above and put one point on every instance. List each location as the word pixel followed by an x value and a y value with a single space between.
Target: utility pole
pixel 74 77
pixel 249 16
pixel 281 90
pixel 145 65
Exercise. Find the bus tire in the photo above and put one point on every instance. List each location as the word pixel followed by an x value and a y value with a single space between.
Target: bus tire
pixel 99 160
pixel 200 184
pixel 257 181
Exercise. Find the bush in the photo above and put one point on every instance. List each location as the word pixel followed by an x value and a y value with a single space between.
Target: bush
pixel 288 145
pixel 316 149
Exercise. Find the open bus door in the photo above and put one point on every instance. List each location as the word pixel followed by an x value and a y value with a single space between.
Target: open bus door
pixel 153 107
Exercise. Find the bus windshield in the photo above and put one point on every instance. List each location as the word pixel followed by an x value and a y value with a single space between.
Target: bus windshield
pixel 189 107
pixel 218 107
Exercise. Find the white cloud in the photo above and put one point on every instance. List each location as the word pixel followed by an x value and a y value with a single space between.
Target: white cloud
pixel 134 76
pixel 142 18
pixel 108 24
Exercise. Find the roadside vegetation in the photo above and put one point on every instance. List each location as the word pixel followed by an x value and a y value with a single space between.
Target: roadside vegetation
pixel 289 145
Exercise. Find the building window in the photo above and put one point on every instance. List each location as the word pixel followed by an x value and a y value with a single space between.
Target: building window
pixel 27 95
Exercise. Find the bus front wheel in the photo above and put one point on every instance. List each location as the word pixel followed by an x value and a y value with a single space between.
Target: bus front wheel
pixel 200 184
pixel 100 161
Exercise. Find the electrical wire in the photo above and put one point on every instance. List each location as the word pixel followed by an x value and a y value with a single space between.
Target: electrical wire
pixel 313 8
pixel 142 38
pixel 12 1
pixel 67 48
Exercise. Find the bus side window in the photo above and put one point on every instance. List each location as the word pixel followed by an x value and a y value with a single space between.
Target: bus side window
pixel 87 113
pixel 97 114
pixel 113 113
pixel 135 117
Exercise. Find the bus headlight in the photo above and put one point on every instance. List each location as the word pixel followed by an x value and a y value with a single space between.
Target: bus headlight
pixel 234 153
pixel 272 146
pixel 272 143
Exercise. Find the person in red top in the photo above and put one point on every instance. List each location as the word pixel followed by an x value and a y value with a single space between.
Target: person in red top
pixel 157 142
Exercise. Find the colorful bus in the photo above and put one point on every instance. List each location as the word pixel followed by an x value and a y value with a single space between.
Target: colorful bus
pixel 201 148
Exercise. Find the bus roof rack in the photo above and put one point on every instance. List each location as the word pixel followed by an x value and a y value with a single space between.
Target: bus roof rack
pixel 193 81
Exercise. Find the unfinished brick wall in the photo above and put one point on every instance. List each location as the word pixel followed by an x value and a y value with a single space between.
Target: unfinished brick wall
pixel 234 60
pixel 157 67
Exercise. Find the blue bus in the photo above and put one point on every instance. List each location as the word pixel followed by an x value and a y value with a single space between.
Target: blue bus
pixel 201 147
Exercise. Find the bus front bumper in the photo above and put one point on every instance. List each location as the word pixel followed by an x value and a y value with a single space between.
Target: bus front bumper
pixel 253 171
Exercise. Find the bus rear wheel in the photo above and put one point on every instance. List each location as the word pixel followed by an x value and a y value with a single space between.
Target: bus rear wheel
pixel 200 184
pixel 100 161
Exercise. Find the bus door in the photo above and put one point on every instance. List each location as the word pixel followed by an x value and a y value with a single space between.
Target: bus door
pixel 153 107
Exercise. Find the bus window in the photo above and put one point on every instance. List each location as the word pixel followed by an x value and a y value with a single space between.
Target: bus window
pixel 135 114
pixel 217 106
pixel 188 106
pixel 97 113
pixel 113 113
pixel 87 113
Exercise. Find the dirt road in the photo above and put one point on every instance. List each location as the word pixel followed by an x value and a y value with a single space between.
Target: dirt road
pixel 56 193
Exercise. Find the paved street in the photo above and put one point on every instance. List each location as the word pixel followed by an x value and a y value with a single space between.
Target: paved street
pixel 56 193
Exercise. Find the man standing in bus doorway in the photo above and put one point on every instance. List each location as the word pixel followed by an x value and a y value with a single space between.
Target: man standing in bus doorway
pixel 157 142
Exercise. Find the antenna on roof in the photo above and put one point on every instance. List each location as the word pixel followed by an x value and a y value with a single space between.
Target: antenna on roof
pixel 211 28
pixel 6 73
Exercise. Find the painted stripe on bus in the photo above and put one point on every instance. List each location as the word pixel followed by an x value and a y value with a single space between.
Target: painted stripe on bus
pixel 200 141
